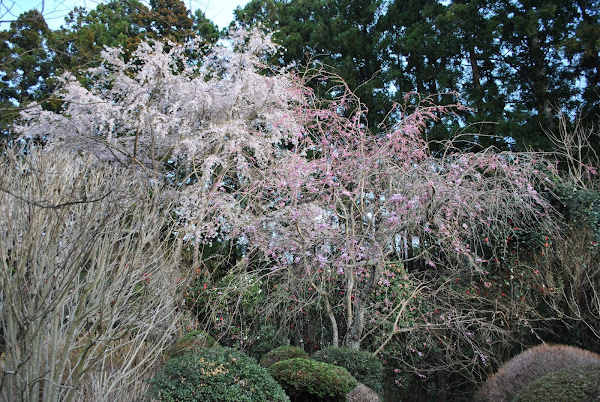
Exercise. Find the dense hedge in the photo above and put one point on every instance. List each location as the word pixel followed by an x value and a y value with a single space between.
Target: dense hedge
pixel 534 363
pixel 282 353
pixel 217 374
pixel 364 366
pixel 310 380
pixel 192 342
pixel 581 384
pixel 267 338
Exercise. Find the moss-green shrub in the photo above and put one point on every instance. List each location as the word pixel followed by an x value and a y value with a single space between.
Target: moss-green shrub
pixel 530 365
pixel 191 342
pixel 282 353
pixel 363 366
pixel 581 384
pixel 218 374
pixel 310 380
pixel 266 339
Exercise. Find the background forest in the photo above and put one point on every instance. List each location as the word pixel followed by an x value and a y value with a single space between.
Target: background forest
pixel 516 65
pixel 416 181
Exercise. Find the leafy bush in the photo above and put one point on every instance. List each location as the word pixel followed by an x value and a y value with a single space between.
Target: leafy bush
pixel 580 384
pixel 282 353
pixel 363 366
pixel 266 339
pixel 192 342
pixel 310 380
pixel 532 364
pixel 221 374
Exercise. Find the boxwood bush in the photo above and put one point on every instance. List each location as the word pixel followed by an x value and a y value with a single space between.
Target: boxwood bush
pixel 191 342
pixel 363 366
pixel 580 384
pixel 217 374
pixel 282 353
pixel 530 365
pixel 266 339
pixel 309 380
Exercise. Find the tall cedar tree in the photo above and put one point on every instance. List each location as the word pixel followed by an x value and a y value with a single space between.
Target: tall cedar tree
pixel 87 33
pixel 582 49
pixel 26 65
pixel 25 59
pixel 166 20
pixel 340 34
pixel 516 64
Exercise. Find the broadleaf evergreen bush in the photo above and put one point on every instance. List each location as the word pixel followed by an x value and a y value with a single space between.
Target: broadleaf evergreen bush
pixel 282 353
pixel 581 384
pixel 266 339
pixel 532 364
pixel 192 342
pixel 310 380
pixel 219 375
pixel 363 366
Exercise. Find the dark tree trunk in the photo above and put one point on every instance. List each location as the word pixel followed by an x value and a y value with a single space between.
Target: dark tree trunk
pixel 354 333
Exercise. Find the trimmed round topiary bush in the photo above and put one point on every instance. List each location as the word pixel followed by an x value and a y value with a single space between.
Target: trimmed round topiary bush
pixel 191 342
pixel 219 375
pixel 309 380
pixel 282 353
pixel 580 384
pixel 534 363
pixel 363 366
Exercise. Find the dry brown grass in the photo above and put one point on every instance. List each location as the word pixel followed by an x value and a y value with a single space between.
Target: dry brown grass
pixel 91 281
pixel 110 380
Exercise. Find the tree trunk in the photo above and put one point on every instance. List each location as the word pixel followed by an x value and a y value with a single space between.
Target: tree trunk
pixel 356 327
pixel 476 74
pixel 334 327
pixel 540 82
pixel 352 338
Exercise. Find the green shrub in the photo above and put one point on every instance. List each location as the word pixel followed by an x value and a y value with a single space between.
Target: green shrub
pixel 282 353
pixel 363 366
pixel 218 374
pixel 192 342
pixel 530 365
pixel 266 339
pixel 310 380
pixel 581 384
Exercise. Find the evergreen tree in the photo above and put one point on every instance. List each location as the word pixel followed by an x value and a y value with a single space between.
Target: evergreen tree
pixel 475 29
pixel 205 27
pixel 339 34
pixel 167 20
pixel 26 59
pixel 582 50
pixel 534 72
pixel 419 57
pixel 26 66
pixel 87 33
pixel 515 64
pixel 171 21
